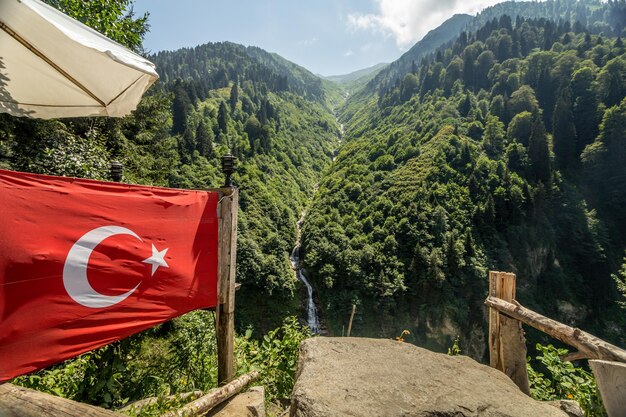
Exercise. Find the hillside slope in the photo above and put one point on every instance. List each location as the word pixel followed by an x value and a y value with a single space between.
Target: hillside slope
pixel 494 153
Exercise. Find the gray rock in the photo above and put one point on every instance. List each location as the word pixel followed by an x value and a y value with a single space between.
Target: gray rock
pixel 571 408
pixel 383 378
pixel 248 404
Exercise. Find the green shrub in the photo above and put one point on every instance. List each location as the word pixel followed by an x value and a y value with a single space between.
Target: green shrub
pixel 564 381
pixel 275 357
pixel 177 357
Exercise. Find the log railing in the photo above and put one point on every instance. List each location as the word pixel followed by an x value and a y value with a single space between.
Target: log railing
pixel 507 345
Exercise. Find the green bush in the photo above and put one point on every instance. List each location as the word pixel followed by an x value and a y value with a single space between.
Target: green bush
pixel 275 357
pixel 177 357
pixel 564 381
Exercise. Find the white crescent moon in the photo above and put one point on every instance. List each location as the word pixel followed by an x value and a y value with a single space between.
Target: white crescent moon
pixel 75 268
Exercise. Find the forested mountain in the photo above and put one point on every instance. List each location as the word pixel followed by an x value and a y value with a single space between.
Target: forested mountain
pixel 444 33
pixel 216 65
pixel 596 16
pixel 501 150
pixel 271 114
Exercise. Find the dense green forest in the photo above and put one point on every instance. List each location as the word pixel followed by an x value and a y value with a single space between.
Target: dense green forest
pixel 273 116
pixel 501 150
pixel 595 16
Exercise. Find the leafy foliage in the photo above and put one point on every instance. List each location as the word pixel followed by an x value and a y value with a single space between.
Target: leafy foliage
pixel 113 18
pixel 174 358
pixel 564 381
pixel 275 356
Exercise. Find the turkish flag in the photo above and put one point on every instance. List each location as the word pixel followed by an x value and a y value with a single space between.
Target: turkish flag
pixel 84 263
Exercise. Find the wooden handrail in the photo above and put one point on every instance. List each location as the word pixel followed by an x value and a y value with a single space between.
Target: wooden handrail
pixel 588 345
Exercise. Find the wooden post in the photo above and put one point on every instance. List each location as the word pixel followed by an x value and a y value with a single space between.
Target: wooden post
pixel 611 379
pixel 507 345
pixel 227 256
pixel 351 318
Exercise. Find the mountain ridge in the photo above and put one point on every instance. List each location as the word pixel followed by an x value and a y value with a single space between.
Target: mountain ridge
pixel 355 75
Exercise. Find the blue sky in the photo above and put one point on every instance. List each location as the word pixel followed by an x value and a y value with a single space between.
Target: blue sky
pixel 328 37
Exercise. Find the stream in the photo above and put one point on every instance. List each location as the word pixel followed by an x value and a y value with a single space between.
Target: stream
pixel 313 320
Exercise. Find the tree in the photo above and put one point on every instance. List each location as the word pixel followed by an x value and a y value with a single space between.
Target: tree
pixel 204 140
pixel 494 137
pixel 620 281
pixel 564 131
pixel 520 128
pixel 222 118
pixel 538 151
pixel 516 157
pixel 498 107
pixel 466 104
pixel 585 107
pixel 454 72
pixel 605 161
pixel 234 96
pixel 188 144
pixel 115 19
pixel 409 87
pixel 523 100
pixel 612 81
pixel 484 63
pixel 181 106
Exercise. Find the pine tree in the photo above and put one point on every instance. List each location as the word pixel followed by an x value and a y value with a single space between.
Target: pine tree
pixel 188 145
pixel 466 105
pixel 181 106
pixel 494 137
pixel 585 107
pixel 538 151
pixel 612 82
pixel 234 96
pixel 222 118
pixel 204 140
pixel 564 131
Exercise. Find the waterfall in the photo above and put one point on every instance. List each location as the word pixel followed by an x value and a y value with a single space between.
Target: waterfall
pixel 312 319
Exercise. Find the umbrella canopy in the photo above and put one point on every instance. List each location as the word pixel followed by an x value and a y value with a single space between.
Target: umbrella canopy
pixel 53 66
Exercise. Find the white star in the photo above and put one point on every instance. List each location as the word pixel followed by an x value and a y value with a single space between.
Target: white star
pixel 157 259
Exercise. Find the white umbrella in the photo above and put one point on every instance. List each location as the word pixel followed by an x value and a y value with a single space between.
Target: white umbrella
pixel 54 66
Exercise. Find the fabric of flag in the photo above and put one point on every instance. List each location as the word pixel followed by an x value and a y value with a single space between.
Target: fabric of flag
pixel 84 263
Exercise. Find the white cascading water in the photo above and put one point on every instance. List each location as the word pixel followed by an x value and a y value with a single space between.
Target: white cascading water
pixel 313 320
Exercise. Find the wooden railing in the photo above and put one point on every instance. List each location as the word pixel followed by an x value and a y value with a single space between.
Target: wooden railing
pixel 507 344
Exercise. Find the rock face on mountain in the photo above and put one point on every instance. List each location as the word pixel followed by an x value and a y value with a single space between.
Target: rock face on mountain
pixel 373 377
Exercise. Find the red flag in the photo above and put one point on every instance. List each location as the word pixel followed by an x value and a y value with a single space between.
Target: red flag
pixel 84 263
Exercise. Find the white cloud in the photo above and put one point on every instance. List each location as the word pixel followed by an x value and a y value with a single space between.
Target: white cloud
pixel 409 20
pixel 348 53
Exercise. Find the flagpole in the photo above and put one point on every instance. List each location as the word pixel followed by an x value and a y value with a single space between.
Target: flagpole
pixel 227 257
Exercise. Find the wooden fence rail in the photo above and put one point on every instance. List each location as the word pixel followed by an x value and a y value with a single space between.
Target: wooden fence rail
pixel 507 345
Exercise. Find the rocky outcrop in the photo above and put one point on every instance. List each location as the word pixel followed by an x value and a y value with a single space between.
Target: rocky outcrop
pixel 373 377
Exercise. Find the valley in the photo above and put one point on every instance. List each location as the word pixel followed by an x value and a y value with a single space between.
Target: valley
pixel 496 142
